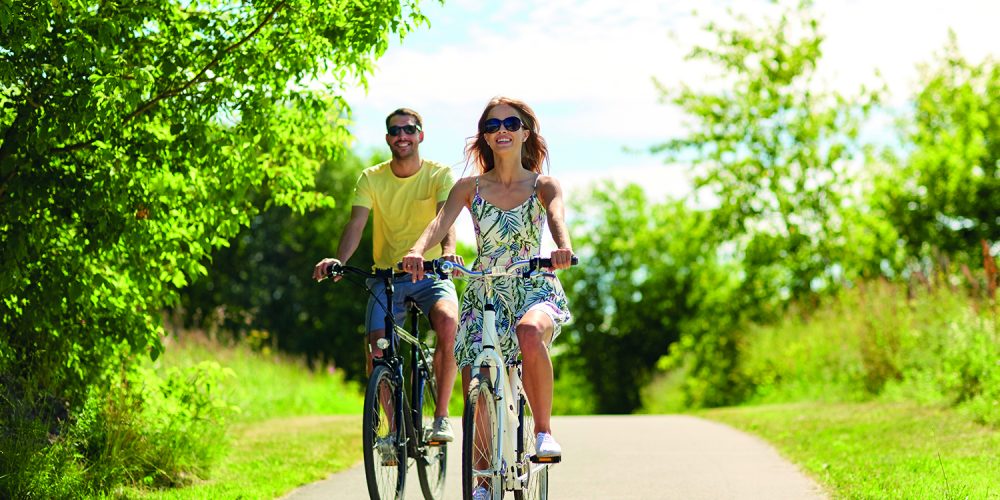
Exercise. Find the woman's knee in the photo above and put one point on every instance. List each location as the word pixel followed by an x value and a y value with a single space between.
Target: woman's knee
pixel 531 337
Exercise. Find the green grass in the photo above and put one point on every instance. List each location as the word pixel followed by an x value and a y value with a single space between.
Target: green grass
pixel 266 385
pixel 270 458
pixel 294 426
pixel 879 450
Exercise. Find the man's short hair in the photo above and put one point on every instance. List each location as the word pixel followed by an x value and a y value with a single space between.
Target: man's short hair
pixel 405 112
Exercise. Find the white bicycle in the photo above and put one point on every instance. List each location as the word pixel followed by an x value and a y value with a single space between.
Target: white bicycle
pixel 497 427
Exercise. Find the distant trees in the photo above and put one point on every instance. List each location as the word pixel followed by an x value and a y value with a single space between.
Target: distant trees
pixel 790 204
pixel 262 281
pixel 943 193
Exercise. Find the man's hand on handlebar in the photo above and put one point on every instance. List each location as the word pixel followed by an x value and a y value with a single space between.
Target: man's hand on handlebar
pixel 413 263
pixel 323 268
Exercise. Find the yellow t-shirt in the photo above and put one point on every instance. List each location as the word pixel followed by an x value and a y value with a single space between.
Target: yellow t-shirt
pixel 401 207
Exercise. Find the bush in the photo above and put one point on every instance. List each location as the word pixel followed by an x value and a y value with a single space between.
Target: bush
pixel 935 347
pixel 139 429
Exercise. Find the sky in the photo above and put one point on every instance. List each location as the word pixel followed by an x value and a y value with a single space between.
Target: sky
pixel 587 67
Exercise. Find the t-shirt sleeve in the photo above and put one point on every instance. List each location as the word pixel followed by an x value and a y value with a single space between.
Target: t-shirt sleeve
pixel 363 193
pixel 445 181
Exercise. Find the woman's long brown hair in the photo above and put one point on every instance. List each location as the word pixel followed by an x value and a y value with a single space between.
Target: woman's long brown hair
pixel 533 152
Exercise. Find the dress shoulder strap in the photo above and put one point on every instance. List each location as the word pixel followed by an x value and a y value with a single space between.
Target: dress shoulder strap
pixel 477 184
pixel 535 186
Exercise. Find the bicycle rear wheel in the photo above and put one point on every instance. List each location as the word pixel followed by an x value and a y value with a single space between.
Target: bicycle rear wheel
pixel 480 440
pixel 384 434
pixel 538 475
pixel 432 460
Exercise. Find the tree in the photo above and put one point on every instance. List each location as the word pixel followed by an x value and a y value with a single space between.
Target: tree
pixel 134 137
pixel 774 152
pixel 263 280
pixel 639 293
pixel 945 193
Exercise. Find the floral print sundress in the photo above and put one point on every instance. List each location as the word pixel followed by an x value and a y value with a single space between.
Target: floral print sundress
pixel 502 237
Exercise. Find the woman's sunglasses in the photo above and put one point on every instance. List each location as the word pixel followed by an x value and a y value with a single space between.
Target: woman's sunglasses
pixel 409 129
pixel 511 123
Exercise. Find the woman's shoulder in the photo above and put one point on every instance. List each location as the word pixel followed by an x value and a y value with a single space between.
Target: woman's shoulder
pixel 466 182
pixel 547 184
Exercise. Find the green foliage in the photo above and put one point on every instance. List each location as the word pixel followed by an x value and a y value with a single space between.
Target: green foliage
pixel 642 291
pixel 945 193
pixel 134 138
pixel 141 429
pixel 775 153
pixel 265 385
pixel 262 282
pixel 875 342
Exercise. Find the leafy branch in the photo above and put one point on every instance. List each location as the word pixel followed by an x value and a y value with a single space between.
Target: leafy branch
pixel 196 79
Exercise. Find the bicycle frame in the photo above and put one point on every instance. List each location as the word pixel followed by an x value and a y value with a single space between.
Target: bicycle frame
pixel 506 383
pixel 411 435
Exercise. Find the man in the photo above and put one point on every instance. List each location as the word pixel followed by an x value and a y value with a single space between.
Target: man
pixel 403 196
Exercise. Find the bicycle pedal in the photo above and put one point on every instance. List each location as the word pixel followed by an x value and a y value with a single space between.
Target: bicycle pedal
pixel 437 443
pixel 535 459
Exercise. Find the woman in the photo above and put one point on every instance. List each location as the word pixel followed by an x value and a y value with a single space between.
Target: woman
pixel 509 200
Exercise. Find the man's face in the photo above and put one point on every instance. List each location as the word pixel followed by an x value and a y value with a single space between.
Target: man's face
pixel 403 145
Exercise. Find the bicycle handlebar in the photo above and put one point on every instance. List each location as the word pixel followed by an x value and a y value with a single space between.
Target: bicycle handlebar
pixel 534 264
pixel 430 266
pixel 443 268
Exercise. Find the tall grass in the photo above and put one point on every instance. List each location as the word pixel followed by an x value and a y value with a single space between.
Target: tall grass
pixel 265 384
pixel 161 424
pixel 878 341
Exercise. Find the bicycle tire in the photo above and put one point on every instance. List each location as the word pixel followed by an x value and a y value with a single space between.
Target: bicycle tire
pixel 480 419
pixel 538 475
pixel 432 461
pixel 384 445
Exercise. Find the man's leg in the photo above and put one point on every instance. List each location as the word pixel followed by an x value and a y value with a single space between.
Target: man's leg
pixel 373 351
pixel 444 321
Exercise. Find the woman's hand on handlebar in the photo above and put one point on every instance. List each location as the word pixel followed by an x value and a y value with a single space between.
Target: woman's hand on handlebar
pixel 562 258
pixel 323 268
pixel 413 263
pixel 456 258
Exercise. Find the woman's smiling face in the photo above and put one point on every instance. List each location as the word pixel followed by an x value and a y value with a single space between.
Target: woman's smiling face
pixel 504 139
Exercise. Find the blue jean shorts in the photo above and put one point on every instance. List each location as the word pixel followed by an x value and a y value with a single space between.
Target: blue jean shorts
pixel 426 292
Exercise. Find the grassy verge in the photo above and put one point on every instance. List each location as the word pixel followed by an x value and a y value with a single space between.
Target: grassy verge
pixel 266 385
pixel 293 426
pixel 270 458
pixel 879 450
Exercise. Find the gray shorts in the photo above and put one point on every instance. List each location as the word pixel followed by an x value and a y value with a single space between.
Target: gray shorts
pixel 426 292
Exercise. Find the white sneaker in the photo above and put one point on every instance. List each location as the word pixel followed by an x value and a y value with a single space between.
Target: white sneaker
pixel 546 446
pixel 480 493
pixel 441 431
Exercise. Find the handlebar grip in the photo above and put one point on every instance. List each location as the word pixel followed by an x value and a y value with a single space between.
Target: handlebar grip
pixel 547 262
pixel 332 270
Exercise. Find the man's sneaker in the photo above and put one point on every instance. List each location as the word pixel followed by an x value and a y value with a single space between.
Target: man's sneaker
pixel 386 448
pixel 546 446
pixel 441 431
pixel 480 493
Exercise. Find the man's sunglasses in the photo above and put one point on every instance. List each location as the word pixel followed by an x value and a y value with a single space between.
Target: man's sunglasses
pixel 511 123
pixel 409 129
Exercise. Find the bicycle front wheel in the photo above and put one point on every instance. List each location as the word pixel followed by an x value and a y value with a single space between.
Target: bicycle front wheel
pixel 432 460
pixel 384 436
pixel 481 440
pixel 537 487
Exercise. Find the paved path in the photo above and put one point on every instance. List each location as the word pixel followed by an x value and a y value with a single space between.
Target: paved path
pixel 625 457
